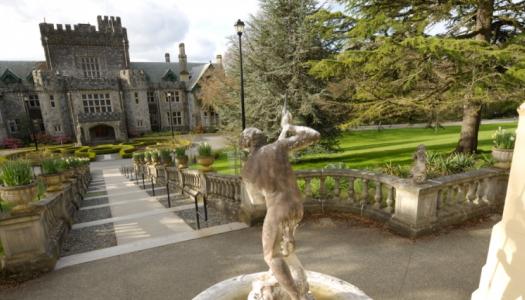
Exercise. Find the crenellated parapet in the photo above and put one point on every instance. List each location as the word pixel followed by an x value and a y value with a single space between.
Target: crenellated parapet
pixel 109 33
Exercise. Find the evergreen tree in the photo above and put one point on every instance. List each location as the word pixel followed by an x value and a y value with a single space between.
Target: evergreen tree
pixel 394 66
pixel 278 43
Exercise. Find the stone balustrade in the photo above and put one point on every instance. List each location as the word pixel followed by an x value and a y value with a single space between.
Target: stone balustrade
pixel 407 208
pixel 32 240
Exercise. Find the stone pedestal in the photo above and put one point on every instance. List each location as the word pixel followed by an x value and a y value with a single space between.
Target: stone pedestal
pixel 323 287
pixel 503 276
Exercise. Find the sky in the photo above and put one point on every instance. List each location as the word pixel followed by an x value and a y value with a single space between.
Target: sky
pixel 154 26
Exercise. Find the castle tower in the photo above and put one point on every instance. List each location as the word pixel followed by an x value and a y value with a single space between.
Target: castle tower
pixel 167 57
pixel 83 51
pixel 183 63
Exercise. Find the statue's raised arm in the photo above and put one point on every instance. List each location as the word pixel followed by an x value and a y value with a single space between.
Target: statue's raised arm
pixel 301 136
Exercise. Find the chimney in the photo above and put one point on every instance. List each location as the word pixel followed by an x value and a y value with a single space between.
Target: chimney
pixel 183 64
pixel 167 57
pixel 218 60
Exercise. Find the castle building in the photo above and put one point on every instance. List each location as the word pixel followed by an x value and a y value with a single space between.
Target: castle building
pixel 88 89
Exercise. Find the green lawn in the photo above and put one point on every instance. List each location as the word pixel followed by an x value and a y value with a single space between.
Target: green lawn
pixel 370 149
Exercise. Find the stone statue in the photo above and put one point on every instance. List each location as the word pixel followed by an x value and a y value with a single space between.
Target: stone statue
pixel 268 176
pixel 419 168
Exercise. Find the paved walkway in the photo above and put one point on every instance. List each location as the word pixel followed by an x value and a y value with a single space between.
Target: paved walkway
pixel 383 265
pixel 118 217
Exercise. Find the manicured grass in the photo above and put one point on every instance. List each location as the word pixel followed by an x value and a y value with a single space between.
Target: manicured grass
pixel 371 149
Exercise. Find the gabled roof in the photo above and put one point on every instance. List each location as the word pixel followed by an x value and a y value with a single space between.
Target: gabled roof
pixel 169 76
pixel 155 71
pixel 21 69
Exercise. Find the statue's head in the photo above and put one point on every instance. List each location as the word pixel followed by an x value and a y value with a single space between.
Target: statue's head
pixel 252 138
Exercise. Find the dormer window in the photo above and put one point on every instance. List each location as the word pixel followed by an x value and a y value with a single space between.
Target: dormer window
pixel 90 67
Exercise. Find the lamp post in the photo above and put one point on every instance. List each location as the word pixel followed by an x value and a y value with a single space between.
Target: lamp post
pixel 170 119
pixel 239 26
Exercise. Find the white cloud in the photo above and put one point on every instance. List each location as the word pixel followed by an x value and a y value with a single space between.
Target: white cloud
pixel 154 26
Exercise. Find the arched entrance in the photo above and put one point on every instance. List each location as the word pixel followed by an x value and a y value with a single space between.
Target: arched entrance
pixel 102 134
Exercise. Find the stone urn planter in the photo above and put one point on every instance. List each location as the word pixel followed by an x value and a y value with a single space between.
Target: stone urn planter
pixel 502 157
pixel 182 162
pixel 206 162
pixel 53 182
pixel 20 195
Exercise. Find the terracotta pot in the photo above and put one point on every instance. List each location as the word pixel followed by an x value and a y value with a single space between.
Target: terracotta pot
pixel 503 157
pixel 20 195
pixel 182 162
pixel 53 182
pixel 206 162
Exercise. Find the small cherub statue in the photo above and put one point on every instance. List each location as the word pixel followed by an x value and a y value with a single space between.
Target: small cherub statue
pixel 419 168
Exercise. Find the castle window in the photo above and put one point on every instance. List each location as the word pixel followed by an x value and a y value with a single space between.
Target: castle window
pixel 13 125
pixel 170 96
pixel 33 101
pixel 136 98
pixel 140 123
pixel 151 97
pixel 90 67
pixel 96 103
pixel 58 128
pixel 52 100
pixel 176 117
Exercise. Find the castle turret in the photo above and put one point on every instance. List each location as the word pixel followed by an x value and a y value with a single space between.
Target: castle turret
pixel 183 64
pixel 167 57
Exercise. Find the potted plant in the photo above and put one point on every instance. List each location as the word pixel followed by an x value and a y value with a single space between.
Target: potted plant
pixel 52 169
pixel 154 157
pixel 205 158
pixel 138 157
pixel 147 157
pixel 503 148
pixel 18 186
pixel 165 156
pixel 181 159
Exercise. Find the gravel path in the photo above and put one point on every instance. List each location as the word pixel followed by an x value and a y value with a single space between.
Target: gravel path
pixel 93 214
pixel 89 239
pixel 96 201
pixel 214 218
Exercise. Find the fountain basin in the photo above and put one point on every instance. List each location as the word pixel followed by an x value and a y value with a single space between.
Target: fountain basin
pixel 322 286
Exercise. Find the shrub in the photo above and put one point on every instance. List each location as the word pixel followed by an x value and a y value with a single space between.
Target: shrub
pixel 503 139
pixel 180 152
pixel 147 156
pixel 126 151
pixel 16 173
pixel 52 166
pixel 442 165
pixel 395 170
pixel 12 143
pixel 165 155
pixel 154 155
pixel 138 156
pixel 204 149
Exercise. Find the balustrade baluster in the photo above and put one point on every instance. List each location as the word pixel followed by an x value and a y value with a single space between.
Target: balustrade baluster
pixel 364 201
pixel 450 197
pixel 322 189
pixel 377 196
pixel 307 187
pixel 479 193
pixel 351 193
pixel 337 190
pixel 390 200
pixel 486 185
pixel 440 203
pixel 471 192
pixel 460 197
